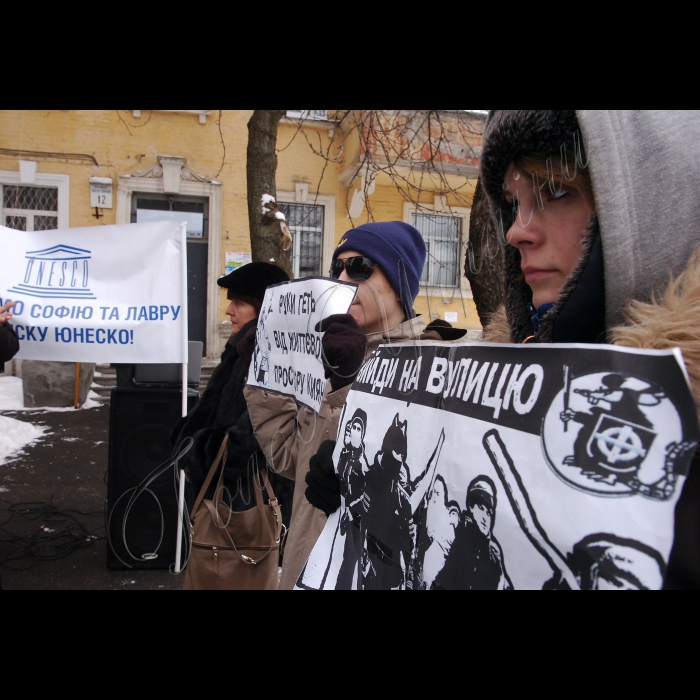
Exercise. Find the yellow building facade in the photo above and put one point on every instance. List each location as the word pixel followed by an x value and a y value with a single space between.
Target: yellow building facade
pixel 54 165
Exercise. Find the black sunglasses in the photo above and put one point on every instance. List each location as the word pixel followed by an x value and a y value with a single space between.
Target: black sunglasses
pixel 359 268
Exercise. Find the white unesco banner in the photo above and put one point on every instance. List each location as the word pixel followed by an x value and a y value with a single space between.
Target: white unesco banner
pixel 287 357
pixel 98 294
pixel 505 467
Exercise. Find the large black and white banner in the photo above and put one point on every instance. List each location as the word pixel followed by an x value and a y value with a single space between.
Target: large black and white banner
pixel 508 467
pixel 287 357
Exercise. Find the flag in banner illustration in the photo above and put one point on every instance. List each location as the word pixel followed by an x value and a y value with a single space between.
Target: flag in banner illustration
pixel 503 467
pixel 288 352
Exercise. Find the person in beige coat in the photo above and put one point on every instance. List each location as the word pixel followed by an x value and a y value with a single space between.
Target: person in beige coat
pixel 386 260
pixel 599 211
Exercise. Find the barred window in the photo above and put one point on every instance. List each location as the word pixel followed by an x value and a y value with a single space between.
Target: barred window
pixel 30 208
pixel 307 113
pixel 442 236
pixel 306 225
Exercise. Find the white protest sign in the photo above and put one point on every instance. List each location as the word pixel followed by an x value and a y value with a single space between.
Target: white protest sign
pixel 287 356
pixel 508 467
pixel 98 294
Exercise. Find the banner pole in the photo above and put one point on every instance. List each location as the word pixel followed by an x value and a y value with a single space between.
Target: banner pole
pixel 76 396
pixel 181 484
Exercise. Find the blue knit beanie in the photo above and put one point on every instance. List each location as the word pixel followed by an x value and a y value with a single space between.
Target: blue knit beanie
pixel 397 248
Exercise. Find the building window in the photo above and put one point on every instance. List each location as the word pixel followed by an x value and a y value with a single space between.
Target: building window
pixel 308 113
pixel 30 208
pixel 306 224
pixel 442 235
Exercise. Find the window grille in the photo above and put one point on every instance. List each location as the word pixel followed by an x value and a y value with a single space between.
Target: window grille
pixel 442 236
pixel 30 208
pixel 308 113
pixel 306 225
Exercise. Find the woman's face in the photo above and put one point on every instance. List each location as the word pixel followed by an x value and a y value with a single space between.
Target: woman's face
pixel 376 306
pixel 240 312
pixel 550 241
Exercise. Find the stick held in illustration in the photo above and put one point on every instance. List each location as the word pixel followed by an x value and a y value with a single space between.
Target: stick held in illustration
pixel 520 502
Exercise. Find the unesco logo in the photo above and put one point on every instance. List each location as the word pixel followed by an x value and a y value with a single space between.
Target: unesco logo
pixel 59 272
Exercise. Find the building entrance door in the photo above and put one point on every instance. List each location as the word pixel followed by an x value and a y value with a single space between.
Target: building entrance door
pixel 194 211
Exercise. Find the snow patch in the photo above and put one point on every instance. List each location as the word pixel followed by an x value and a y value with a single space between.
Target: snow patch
pixel 279 215
pixel 266 199
pixel 11 396
pixel 91 401
pixel 15 435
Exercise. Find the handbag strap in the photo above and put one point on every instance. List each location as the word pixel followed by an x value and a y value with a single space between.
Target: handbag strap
pixel 221 454
pixel 274 504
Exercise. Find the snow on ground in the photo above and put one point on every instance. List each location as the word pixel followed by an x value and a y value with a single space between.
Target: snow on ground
pixel 15 435
pixel 11 393
pixel 12 398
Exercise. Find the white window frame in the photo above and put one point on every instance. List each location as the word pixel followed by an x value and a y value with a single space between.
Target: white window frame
pixel 328 202
pixel 61 182
pixel 308 114
pixel 441 209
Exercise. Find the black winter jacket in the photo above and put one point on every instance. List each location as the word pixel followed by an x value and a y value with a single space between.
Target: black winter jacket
pixel 9 345
pixel 222 409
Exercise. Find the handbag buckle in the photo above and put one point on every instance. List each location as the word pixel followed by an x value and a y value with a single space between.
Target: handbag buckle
pixel 248 559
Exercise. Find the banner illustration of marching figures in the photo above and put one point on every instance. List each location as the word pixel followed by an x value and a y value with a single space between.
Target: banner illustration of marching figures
pixel 287 357
pixel 98 294
pixel 508 467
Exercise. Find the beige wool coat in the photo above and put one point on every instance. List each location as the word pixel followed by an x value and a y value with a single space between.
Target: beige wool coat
pixel 290 434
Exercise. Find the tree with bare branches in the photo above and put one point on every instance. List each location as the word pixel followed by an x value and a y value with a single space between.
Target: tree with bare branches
pixel 268 240
pixel 424 153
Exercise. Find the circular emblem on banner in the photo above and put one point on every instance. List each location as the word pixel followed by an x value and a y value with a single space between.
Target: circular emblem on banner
pixel 612 434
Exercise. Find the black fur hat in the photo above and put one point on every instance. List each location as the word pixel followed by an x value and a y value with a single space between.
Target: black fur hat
pixel 509 132
pixel 253 279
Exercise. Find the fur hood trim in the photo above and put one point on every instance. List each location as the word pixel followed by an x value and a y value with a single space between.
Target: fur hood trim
pixel 668 321
pixel 510 132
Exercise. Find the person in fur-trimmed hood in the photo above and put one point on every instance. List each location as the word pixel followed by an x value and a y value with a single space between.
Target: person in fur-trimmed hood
pixel 600 210
pixel 223 410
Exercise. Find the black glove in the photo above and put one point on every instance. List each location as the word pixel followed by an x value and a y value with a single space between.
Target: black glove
pixel 247 345
pixel 344 346
pixel 322 484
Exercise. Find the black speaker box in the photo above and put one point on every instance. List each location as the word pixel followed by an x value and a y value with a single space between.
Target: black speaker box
pixel 140 423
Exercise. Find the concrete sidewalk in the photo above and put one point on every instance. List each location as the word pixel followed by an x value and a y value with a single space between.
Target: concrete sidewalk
pixel 64 470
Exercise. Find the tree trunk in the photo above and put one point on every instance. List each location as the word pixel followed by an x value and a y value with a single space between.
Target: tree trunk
pixel 261 168
pixel 485 273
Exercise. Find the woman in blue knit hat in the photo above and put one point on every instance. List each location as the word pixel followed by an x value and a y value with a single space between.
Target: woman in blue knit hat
pixel 386 260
